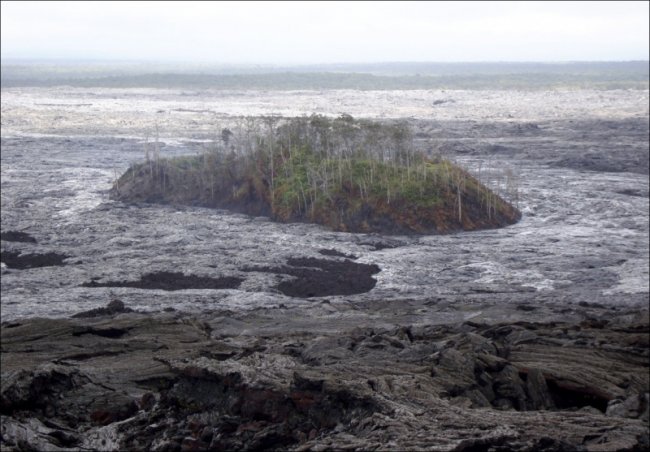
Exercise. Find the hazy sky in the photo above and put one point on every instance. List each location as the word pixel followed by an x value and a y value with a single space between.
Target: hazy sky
pixel 326 32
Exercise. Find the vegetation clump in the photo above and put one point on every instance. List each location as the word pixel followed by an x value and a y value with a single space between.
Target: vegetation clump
pixel 347 174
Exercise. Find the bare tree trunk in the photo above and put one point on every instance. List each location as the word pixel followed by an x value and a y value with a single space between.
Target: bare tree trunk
pixel 460 208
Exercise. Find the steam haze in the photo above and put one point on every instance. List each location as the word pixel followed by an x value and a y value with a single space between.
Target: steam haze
pixel 326 32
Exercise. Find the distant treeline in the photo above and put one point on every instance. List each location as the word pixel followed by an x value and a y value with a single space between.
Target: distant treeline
pixel 380 76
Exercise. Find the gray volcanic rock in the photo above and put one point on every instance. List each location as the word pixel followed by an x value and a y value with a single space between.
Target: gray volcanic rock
pixel 114 307
pixel 172 281
pixel 532 337
pixel 17 236
pixel 321 277
pixel 169 381
pixel 16 259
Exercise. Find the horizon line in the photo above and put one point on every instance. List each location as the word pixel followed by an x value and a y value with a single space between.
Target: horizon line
pixel 4 60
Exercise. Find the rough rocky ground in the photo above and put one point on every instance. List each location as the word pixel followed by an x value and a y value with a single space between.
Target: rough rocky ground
pixel 531 337
pixel 541 377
